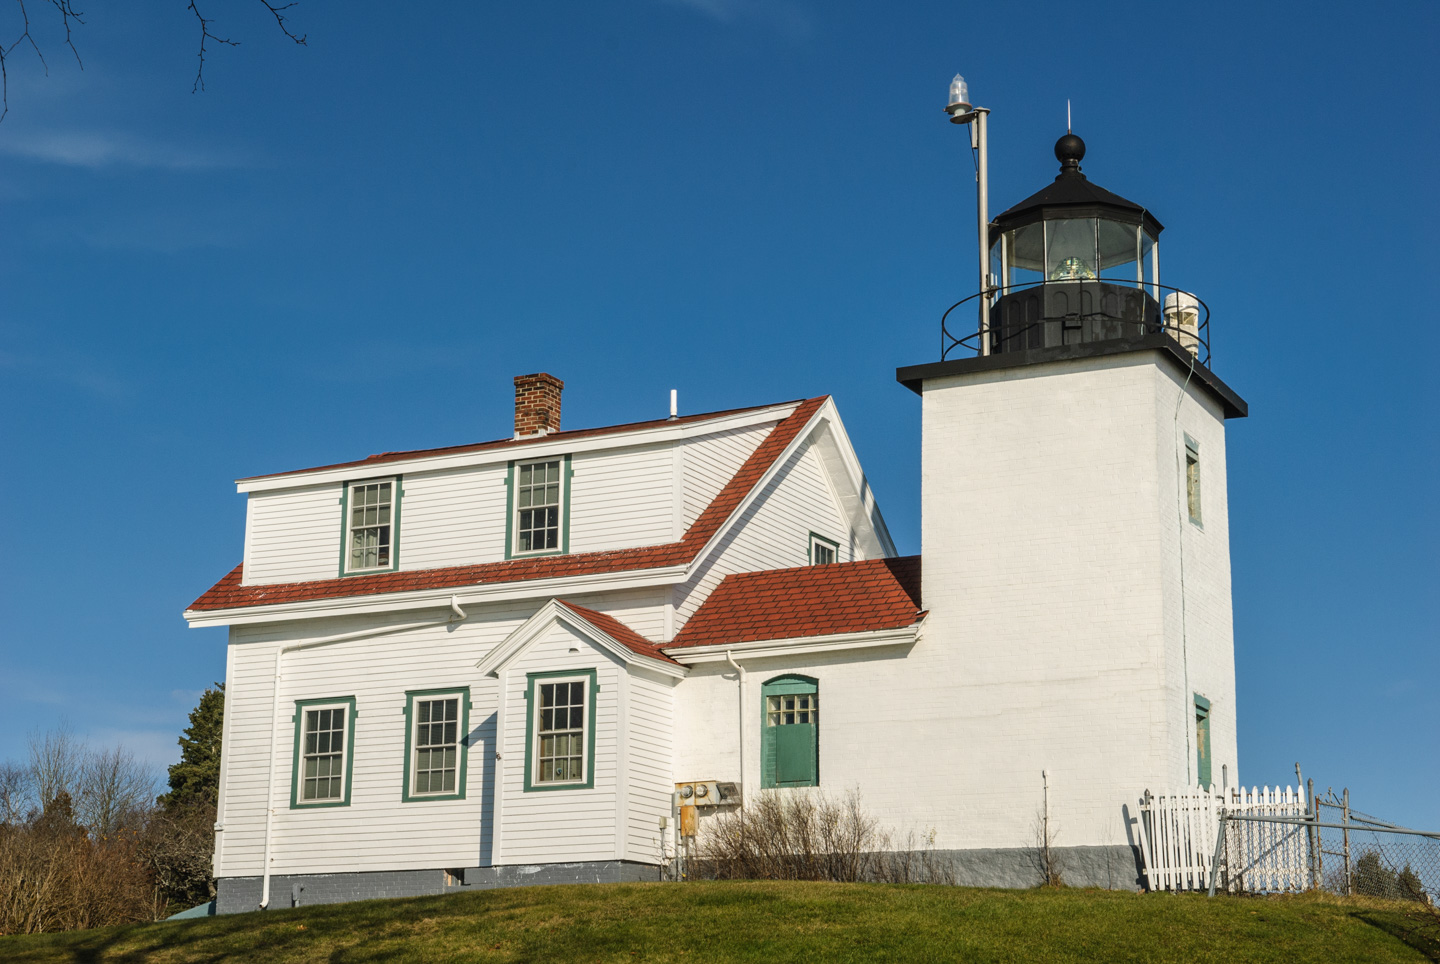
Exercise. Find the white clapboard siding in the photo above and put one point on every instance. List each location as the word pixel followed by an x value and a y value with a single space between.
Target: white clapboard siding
pixel 621 498
pixel 550 826
pixel 650 764
pixel 379 830
pixel 774 532
pixel 1180 827
pixel 293 535
pixel 710 461
pixel 453 518
pixel 643 610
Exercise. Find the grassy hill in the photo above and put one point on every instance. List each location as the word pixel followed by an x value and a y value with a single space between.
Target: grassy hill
pixel 769 922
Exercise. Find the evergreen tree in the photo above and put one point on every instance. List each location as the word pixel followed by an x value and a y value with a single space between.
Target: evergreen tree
pixel 196 778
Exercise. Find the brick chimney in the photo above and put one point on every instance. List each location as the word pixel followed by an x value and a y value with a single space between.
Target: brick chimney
pixel 537 404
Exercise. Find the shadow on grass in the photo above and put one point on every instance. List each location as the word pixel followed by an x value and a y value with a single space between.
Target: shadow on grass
pixel 1423 934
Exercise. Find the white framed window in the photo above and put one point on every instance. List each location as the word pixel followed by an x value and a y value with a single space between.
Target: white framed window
pixel 823 551
pixel 792 709
pixel 538 507
pixel 324 732
pixel 561 731
pixel 435 744
pixel 371 524
pixel 1192 479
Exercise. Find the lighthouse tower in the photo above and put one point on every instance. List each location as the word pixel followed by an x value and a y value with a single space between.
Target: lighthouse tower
pixel 1076 561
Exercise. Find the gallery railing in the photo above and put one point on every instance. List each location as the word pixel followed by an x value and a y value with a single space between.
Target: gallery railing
pixel 1038 314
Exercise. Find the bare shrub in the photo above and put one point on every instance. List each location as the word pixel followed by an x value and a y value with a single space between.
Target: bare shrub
pixel 1048 860
pixel 72 827
pixel 179 847
pixel 797 835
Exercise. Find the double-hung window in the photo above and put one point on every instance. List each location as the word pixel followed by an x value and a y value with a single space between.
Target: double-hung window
pixel 790 738
pixel 560 731
pixel 538 502
pixel 324 733
pixel 435 744
pixel 372 522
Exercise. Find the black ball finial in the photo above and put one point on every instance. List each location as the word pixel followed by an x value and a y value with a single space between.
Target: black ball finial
pixel 1069 151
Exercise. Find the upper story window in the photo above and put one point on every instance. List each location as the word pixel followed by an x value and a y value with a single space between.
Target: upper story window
pixel 323 734
pixel 560 731
pixel 539 496
pixel 1192 478
pixel 372 518
pixel 435 744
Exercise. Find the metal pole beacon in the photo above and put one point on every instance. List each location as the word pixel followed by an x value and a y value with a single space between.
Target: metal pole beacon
pixel 961 111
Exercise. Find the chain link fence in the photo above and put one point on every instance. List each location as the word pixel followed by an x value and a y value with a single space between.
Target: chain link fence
pixel 1330 846
pixel 1357 853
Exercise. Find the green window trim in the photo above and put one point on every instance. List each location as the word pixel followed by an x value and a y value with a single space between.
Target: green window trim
pixel 771 750
pixel 411 697
pixel 823 540
pixel 531 708
pixel 300 707
pixel 399 492
pixel 566 474
pixel 1203 763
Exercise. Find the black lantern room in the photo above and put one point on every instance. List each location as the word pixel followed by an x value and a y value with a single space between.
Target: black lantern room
pixel 1074 263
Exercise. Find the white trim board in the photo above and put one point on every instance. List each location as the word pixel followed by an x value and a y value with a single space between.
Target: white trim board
pixel 529 450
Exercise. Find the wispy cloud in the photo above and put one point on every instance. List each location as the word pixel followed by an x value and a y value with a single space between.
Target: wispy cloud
pixel 70 369
pixel 95 150
pixel 784 17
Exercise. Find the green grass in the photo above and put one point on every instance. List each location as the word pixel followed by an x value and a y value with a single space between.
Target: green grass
pixel 768 922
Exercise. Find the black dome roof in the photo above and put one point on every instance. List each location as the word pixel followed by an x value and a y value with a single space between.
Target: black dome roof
pixel 1073 195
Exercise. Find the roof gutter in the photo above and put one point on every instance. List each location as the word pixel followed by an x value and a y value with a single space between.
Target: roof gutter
pixel 797 645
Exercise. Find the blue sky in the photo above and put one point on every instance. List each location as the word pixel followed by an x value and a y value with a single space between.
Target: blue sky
pixel 352 247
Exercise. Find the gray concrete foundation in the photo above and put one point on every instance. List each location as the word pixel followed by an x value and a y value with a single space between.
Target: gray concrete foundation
pixel 1111 868
pixel 1115 867
pixel 236 895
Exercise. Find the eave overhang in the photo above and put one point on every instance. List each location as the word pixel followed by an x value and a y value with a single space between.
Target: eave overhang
pixel 798 645
pixel 914 377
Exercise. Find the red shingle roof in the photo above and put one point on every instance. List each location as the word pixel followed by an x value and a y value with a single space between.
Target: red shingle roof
pixel 384 457
pixel 846 597
pixel 618 631
pixel 228 593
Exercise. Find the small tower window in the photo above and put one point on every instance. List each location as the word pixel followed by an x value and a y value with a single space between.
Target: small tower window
pixel 1202 741
pixel 823 551
pixel 1192 478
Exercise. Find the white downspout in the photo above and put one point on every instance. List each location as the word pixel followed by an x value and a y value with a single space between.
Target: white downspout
pixel 740 674
pixel 456 613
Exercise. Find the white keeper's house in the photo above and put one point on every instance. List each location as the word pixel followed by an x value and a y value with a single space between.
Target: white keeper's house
pixel 493 663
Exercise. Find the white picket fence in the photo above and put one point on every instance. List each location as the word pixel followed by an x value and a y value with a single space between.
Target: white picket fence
pixel 1177 839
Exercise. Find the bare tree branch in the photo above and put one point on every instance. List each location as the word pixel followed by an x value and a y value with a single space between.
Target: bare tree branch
pixel 280 20
pixel 70 17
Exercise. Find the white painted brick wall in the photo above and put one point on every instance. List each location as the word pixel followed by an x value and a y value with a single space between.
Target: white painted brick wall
pixel 1050 534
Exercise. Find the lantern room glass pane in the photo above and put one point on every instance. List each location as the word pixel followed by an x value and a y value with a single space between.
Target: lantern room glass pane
pixel 1025 255
pixel 1119 250
pixel 1070 249
pixel 1147 261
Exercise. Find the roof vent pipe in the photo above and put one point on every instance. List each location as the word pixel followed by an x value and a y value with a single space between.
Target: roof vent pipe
pixel 674 403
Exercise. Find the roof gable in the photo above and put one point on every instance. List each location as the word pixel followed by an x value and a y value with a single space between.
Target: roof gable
pixel 849 597
pixel 604 631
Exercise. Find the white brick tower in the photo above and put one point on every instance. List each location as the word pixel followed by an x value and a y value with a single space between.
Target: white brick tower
pixel 1075 530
